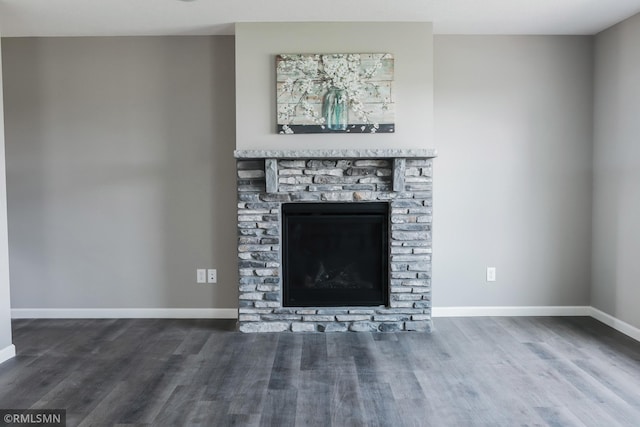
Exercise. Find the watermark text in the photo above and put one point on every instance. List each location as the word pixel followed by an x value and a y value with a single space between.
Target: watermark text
pixel 33 417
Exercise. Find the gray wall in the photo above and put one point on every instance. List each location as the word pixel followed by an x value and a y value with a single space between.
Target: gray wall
pixel 512 183
pixel 616 202
pixel 120 171
pixel 5 307
pixel 121 176
pixel 257 44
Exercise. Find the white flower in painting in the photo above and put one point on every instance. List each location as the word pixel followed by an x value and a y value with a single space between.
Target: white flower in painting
pixel 288 85
pixel 385 103
pixel 287 129
pixel 285 112
pixel 305 86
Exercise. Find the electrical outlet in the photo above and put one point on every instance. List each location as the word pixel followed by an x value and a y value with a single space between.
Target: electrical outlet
pixel 491 274
pixel 212 275
pixel 201 275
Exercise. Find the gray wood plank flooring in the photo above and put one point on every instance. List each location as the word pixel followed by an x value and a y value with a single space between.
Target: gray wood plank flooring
pixel 524 371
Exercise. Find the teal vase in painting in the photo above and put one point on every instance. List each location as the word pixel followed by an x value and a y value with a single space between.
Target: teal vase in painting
pixel 335 109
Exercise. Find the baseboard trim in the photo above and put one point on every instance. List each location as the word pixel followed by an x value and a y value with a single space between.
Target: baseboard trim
pixel 511 311
pixel 7 353
pixel 616 323
pixel 124 313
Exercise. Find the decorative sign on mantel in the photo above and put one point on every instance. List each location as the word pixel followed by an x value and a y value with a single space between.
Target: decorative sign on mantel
pixel 335 93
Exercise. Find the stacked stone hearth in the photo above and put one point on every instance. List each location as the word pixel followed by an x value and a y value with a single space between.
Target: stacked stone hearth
pixel 266 179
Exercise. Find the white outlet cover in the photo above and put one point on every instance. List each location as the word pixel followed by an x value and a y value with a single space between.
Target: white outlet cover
pixel 212 275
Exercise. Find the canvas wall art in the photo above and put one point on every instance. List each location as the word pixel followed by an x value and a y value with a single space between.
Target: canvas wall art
pixel 335 93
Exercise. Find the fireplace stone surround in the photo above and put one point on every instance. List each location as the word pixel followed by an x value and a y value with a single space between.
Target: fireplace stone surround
pixel 268 178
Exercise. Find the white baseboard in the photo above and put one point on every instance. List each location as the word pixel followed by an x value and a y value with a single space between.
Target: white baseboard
pixel 124 313
pixel 615 323
pixel 511 311
pixel 7 353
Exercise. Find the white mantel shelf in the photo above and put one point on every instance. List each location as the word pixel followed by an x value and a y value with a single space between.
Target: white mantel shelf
pixel 425 153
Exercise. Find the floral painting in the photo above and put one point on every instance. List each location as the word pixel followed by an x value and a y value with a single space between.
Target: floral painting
pixel 335 93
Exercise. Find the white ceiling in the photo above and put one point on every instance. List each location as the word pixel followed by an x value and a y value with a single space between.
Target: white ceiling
pixel 176 17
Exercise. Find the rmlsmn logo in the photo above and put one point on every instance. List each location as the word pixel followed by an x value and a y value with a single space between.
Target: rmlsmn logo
pixel 33 417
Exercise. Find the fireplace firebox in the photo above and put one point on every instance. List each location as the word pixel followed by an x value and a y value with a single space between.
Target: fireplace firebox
pixel 335 254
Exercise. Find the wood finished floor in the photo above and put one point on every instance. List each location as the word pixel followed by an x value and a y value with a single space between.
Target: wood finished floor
pixel 469 372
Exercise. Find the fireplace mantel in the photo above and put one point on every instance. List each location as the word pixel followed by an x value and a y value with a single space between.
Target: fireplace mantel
pixel 377 153
pixel 398 156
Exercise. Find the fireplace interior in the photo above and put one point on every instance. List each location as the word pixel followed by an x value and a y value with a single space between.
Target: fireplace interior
pixel 335 254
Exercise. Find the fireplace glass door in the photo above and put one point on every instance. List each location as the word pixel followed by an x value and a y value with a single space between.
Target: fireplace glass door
pixel 335 254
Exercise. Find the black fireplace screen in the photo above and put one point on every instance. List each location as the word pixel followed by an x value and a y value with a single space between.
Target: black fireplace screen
pixel 335 254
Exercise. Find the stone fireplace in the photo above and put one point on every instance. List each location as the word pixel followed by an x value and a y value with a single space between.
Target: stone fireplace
pixel 279 191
